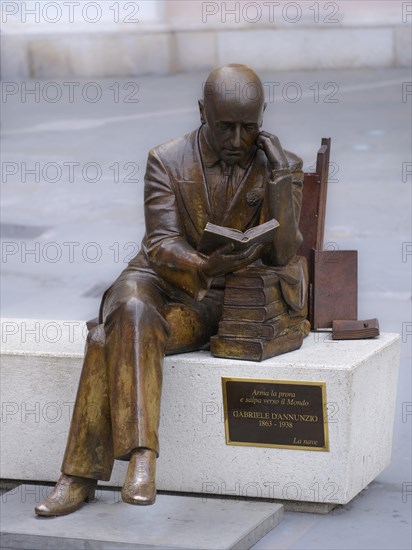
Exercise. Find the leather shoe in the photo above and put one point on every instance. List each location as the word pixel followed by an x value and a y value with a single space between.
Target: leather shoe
pixel 140 486
pixel 67 496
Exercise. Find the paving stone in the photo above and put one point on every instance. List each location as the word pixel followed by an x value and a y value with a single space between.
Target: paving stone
pixel 174 522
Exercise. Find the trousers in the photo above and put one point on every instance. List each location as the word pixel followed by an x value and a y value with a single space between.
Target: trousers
pixel 117 406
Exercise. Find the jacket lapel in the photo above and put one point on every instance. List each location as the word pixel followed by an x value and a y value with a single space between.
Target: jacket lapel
pixel 193 188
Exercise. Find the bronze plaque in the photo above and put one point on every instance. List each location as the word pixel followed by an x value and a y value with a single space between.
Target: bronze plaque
pixel 268 413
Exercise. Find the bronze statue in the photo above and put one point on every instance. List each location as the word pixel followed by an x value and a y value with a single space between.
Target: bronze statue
pixel 169 298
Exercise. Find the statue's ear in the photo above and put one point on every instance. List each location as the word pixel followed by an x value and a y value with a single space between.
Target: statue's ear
pixel 202 111
pixel 261 116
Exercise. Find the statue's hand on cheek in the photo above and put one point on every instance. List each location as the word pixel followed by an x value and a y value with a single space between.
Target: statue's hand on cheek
pixel 272 148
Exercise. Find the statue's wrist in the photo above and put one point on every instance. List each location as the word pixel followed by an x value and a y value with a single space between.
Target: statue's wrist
pixel 278 174
pixel 204 268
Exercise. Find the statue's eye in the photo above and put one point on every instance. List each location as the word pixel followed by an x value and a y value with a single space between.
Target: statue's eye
pixel 224 126
pixel 250 127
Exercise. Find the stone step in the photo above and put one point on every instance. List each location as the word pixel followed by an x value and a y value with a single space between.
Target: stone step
pixel 107 523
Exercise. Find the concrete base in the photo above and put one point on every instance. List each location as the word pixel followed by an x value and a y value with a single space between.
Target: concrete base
pixel 39 381
pixel 307 507
pixel 109 524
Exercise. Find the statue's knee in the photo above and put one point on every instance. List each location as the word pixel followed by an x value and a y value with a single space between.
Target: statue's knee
pixel 139 312
pixel 133 308
pixel 96 336
pixel 135 319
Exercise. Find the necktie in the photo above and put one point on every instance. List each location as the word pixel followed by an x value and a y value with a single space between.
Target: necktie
pixel 223 192
pixel 227 182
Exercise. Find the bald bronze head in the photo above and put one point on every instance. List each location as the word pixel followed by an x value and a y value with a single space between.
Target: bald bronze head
pixel 232 111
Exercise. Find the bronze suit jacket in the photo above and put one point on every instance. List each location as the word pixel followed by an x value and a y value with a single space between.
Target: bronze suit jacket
pixel 177 208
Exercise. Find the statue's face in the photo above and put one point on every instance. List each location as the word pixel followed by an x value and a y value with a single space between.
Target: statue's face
pixel 232 126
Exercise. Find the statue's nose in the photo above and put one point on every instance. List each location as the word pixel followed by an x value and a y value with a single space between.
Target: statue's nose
pixel 236 136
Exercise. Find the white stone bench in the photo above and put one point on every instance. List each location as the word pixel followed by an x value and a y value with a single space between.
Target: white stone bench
pixel 40 371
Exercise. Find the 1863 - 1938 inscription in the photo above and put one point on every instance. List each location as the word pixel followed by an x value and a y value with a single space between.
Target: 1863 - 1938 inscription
pixel 267 413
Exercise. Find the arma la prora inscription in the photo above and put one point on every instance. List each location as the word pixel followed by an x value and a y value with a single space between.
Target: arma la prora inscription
pixel 268 413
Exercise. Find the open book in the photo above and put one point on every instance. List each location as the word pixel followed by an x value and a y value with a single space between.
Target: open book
pixel 215 236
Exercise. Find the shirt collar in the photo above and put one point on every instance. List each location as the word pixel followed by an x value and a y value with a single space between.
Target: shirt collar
pixel 210 157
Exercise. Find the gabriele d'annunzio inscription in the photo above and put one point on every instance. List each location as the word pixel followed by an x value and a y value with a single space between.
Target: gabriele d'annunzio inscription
pixel 267 413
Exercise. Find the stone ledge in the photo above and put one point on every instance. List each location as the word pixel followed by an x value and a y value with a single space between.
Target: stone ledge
pixel 162 49
pixel 40 373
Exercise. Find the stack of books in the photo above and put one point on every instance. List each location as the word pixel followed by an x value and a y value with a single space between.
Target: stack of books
pixel 255 324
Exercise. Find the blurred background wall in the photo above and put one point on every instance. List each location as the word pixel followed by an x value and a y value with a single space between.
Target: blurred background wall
pixel 120 38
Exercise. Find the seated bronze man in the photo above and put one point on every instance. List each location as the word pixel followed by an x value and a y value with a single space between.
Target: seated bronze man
pixel 169 298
